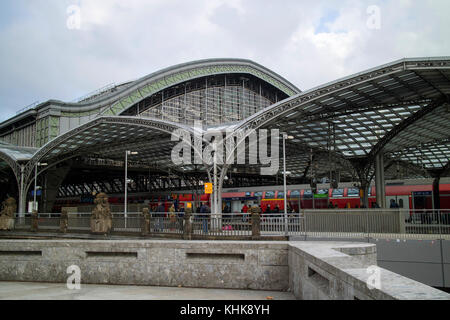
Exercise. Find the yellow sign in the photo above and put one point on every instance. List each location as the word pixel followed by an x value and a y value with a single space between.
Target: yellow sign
pixel 189 205
pixel 208 188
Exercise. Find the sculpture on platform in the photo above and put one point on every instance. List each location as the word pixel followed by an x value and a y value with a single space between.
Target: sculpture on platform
pixel 34 221
pixel 255 212
pixel 7 214
pixel 188 220
pixel 146 221
pixel 101 219
pixel 64 221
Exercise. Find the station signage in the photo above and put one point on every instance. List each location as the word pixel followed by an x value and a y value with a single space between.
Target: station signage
pixel 38 192
pixel 208 188
pixel 240 198
pixel 422 193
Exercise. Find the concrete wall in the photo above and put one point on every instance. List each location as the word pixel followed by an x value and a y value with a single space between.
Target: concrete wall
pixel 233 265
pixel 339 270
pixel 311 270
pixel 426 261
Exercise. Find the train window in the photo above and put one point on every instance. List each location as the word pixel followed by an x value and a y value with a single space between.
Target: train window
pixel 307 194
pixel 270 195
pixel 248 194
pixel 400 203
pixel 338 192
pixel 322 191
pixel 295 193
pixel 258 194
pixel 280 195
pixel 352 192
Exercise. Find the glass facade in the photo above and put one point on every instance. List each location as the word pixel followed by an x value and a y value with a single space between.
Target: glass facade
pixel 219 104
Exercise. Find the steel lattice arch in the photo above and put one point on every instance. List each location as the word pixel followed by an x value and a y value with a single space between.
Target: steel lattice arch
pixel 396 115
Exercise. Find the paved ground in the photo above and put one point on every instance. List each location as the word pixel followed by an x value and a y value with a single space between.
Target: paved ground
pixel 57 291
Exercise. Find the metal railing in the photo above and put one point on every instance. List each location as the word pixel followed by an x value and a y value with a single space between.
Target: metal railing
pixel 351 223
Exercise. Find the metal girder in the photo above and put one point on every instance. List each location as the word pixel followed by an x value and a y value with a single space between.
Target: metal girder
pixel 326 116
pixel 406 164
pixel 431 84
pixel 387 91
pixel 405 124
pixel 438 173
pixel 407 86
pixel 15 167
pixel 444 75
pixel 300 103
pixel 156 125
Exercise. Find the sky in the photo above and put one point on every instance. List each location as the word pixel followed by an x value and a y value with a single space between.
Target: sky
pixel 65 49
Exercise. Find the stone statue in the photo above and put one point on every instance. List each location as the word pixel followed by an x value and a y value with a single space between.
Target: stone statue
pixel 9 208
pixel 255 212
pixel 101 219
pixel 64 221
pixel 34 221
pixel 188 220
pixel 146 224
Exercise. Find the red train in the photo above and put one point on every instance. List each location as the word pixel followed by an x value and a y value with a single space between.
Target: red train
pixel 406 196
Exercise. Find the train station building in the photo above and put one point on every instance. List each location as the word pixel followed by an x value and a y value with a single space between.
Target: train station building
pixel 389 122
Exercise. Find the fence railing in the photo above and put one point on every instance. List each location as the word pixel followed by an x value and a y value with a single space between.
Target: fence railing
pixel 351 223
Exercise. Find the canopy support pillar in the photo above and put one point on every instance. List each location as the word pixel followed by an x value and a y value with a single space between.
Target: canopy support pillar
pixel 22 193
pixel 380 182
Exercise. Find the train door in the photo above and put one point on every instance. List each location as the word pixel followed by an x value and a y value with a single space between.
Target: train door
pixel 321 199
pixel 445 199
pixel 236 206
pixel 294 200
pixel 269 200
pixel 307 200
pixel 402 201
pixel 229 204
pixel 422 200
pixel 337 197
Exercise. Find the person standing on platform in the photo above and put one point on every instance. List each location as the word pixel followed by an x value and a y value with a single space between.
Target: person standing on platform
pixel 172 217
pixel 204 214
pixel 244 211
pixel 276 209
pixel 160 211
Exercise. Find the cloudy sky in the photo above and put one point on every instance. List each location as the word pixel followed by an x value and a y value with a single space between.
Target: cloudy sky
pixel 44 55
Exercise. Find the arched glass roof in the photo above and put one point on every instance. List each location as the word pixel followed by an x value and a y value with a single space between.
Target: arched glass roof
pixel 401 108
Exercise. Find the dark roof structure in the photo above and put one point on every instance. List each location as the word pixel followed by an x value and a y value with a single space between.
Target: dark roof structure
pixel 400 110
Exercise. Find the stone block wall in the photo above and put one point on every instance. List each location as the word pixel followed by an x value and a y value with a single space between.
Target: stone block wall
pixel 201 264
pixel 339 271
pixel 311 270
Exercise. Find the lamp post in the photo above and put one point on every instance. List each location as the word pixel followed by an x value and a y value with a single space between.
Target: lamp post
pixel 35 183
pixel 127 153
pixel 215 189
pixel 285 137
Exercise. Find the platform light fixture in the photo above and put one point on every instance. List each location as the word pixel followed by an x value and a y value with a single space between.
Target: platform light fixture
pixel 39 164
pixel 127 153
pixel 285 137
